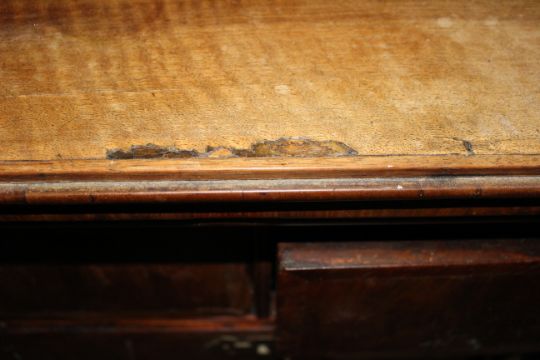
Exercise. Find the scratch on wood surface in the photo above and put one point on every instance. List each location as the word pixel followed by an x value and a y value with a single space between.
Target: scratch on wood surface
pixel 284 147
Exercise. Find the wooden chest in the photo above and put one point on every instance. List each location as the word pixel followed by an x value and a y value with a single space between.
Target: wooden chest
pixel 276 179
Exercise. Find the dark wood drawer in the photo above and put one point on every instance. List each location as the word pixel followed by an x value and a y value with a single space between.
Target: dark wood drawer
pixel 408 298
pixel 193 289
pixel 145 271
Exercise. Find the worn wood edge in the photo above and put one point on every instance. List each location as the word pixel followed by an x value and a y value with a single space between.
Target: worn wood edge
pixel 271 168
pixel 277 190
pixel 414 255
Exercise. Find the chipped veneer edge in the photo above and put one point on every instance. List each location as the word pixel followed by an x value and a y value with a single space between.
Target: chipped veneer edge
pixel 283 147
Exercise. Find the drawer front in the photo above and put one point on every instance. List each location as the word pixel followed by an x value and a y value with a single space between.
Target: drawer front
pixel 192 289
pixel 408 298
pixel 125 270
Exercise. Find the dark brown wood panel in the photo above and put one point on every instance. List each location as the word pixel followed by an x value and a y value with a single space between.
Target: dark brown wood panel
pixel 132 268
pixel 176 289
pixel 409 298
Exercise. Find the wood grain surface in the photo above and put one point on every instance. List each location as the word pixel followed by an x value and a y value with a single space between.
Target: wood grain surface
pixel 78 78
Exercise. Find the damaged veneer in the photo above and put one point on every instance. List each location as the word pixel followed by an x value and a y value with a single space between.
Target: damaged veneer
pixel 284 147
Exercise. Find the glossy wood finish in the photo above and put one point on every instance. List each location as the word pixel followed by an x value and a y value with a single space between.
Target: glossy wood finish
pixel 270 168
pixel 443 196
pixel 415 298
pixel 39 193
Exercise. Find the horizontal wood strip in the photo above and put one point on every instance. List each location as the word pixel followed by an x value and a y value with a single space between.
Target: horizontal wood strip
pixel 271 168
pixel 272 215
pixel 96 322
pixel 408 254
pixel 183 191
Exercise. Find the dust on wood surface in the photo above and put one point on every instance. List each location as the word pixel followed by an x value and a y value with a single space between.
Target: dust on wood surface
pixel 80 78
